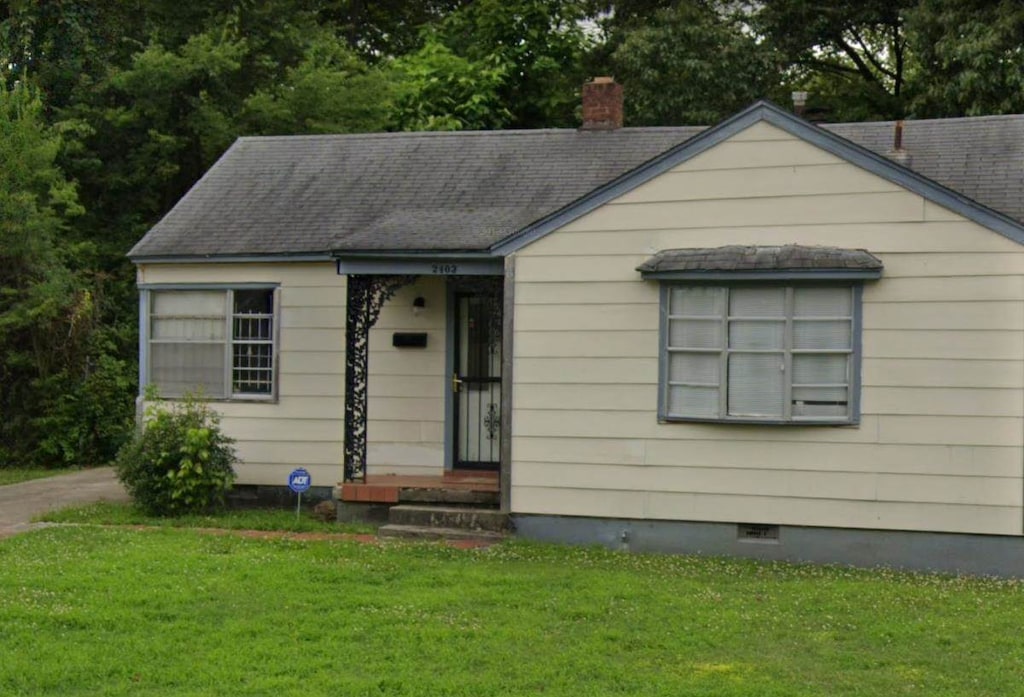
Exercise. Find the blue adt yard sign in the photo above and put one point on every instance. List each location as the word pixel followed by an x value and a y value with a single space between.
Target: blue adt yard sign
pixel 299 480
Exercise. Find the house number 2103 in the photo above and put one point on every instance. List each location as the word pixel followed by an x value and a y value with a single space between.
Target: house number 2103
pixel 445 269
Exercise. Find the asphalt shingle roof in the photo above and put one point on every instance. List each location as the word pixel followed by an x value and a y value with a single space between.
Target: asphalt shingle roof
pixel 466 191
pixel 764 258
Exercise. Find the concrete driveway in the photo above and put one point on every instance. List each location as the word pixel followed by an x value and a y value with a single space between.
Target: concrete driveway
pixel 19 503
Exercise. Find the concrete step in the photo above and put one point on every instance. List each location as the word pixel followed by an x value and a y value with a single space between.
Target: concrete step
pixel 419 532
pixel 460 496
pixel 449 517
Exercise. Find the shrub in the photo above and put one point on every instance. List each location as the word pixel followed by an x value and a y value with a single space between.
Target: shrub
pixel 181 462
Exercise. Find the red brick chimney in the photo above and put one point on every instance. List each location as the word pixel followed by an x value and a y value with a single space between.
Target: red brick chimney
pixel 602 105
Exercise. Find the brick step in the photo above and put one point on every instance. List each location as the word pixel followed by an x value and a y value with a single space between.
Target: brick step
pixel 468 497
pixel 449 517
pixel 419 532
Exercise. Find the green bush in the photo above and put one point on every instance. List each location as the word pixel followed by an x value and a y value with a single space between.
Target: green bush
pixel 181 462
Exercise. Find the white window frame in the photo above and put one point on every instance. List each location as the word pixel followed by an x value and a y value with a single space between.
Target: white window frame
pixel 852 416
pixel 146 300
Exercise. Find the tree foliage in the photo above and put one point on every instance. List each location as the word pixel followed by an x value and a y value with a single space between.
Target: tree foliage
pixel 691 64
pixel 969 55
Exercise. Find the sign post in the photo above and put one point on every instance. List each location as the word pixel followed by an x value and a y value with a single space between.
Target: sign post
pixel 299 481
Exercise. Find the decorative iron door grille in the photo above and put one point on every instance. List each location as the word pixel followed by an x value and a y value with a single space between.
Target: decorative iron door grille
pixel 476 380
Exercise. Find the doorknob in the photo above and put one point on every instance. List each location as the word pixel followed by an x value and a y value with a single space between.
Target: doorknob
pixel 456 382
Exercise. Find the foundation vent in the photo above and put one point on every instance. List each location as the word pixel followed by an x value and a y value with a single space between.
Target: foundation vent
pixel 757 532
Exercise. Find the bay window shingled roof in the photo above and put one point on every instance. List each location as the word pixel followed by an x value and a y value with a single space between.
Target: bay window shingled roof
pixel 468 191
pixel 791 257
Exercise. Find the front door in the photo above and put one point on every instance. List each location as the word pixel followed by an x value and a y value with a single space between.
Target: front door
pixel 476 380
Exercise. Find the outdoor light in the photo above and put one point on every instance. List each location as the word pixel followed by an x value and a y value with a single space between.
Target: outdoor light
pixel 417 306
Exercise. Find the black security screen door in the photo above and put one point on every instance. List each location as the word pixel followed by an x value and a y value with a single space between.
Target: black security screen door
pixel 476 381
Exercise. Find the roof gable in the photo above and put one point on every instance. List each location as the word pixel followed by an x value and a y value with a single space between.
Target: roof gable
pixel 764 111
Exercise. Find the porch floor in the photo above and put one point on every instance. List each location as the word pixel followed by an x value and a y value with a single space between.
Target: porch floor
pixel 389 488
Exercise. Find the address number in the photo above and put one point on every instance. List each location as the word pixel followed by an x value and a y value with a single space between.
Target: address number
pixel 446 269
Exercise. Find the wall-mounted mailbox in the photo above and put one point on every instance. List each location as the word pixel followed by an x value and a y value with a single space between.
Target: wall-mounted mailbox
pixel 409 339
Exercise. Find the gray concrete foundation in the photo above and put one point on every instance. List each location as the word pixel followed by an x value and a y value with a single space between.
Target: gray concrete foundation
pixel 988 555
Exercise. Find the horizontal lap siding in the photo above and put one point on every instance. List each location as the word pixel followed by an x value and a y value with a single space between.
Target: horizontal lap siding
pixel 305 426
pixel 405 429
pixel 939 446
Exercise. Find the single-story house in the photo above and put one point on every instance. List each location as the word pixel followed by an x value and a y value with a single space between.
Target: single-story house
pixel 768 337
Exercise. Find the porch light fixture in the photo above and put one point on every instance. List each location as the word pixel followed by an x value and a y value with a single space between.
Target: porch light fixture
pixel 418 305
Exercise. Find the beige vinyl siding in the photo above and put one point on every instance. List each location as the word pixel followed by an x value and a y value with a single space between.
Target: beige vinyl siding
pixel 405 433
pixel 939 446
pixel 304 426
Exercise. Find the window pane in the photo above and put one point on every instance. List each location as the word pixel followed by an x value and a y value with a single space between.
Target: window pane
pixel 179 368
pixel 821 334
pixel 253 369
pixel 818 368
pixel 822 302
pixel 756 335
pixel 757 302
pixel 820 401
pixel 188 329
pixel 255 328
pixel 249 302
pixel 694 333
pixel 697 300
pixel 693 368
pixel 756 385
pixel 189 303
pixel 693 401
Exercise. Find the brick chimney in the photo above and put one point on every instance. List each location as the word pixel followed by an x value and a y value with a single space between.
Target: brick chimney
pixel 602 105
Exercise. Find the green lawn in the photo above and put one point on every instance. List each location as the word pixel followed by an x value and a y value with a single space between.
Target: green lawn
pixel 13 475
pixel 115 611
pixel 106 513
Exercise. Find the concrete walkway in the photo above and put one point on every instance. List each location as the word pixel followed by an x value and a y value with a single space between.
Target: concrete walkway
pixel 19 503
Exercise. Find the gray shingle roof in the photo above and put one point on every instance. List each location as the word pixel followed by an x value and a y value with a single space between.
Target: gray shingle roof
pixel 387 191
pixel 760 258
pixel 981 157
pixel 466 191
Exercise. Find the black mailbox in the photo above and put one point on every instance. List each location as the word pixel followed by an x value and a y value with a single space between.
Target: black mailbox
pixel 409 339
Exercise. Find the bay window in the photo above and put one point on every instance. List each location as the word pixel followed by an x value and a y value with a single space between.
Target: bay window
pixel 760 334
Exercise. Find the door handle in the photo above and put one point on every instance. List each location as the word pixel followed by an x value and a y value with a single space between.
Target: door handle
pixel 456 383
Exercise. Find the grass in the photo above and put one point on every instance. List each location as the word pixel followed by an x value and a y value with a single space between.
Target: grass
pixel 13 475
pixel 168 611
pixel 107 513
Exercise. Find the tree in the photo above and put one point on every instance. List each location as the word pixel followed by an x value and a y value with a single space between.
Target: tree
pixel 48 380
pixel 969 55
pixel 440 91
pixel 691 65
pixel 853 51
pixel 330 90
pixel 526 55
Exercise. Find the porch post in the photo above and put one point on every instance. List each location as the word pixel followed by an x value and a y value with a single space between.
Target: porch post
pixel 365 296
pixel 507 351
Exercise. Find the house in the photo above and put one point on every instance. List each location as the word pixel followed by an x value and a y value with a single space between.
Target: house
pixel 766 338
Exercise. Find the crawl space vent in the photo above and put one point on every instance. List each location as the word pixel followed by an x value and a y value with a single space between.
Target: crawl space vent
pixel 757 532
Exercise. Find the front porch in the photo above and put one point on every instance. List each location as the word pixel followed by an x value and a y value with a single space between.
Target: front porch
pixel 439 363
pixel 477 487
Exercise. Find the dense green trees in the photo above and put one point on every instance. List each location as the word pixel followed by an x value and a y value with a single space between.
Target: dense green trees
pixel 110 110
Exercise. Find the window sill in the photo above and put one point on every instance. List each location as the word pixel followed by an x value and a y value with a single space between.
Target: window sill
pixel 758 422
pixel 236 399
